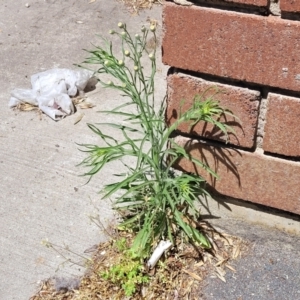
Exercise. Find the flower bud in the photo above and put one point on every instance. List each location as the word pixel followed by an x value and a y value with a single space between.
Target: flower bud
pixel 121 63
pixel 123 33
pixel 135 68
pixel 151 56
pixel 109 82
pixel 143 29
pixel 108 63
pixel 127 53
pixel 137 36
pixel 112 32
pixel 121 25
pixel 152 28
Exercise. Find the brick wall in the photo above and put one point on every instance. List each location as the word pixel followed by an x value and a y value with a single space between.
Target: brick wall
pixel 250 51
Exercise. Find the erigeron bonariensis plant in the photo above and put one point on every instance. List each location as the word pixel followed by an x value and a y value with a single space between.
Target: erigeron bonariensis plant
pixel 155 203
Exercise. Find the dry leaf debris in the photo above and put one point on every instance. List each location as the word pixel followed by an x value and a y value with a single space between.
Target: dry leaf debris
pixel 177 276
pixel 136 5
pixel 78 101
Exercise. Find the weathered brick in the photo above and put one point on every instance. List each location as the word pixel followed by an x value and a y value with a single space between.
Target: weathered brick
pixel 252 48
pixel 290 5
pixel 250 2
pixel 282 129
pixel 249 176
pixel 241 101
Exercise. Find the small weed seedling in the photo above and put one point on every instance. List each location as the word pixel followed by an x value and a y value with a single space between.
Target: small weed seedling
pixel 128 271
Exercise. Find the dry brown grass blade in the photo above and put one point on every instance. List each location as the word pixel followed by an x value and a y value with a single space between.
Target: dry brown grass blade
pixel 24 106
pixel 221 277
pixel 82 102
pixel 199 264
pixel 78 99
pixel 195 276
pixel 230 268
pixel 228 240
pixel 220 271
pixel 236 251
pixel 221 262
pixel 85 105
pixel 78 118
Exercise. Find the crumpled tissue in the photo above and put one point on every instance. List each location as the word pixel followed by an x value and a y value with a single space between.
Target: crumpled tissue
pixel 51 91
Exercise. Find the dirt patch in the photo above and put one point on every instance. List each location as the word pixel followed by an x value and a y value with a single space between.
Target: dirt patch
pixel 136 5
pixel 177 276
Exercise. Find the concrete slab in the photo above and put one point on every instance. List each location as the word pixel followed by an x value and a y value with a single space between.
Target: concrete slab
pixel 41 194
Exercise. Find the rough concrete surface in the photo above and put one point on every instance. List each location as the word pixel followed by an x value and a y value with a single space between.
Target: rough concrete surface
pixel 41 194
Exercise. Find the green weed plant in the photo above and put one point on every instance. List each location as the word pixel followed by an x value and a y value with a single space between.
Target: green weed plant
pixel 155 203
pixel 128 272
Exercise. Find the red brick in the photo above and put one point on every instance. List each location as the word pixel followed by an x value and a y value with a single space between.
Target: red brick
pixel 249 176
pixel 290 5
pixel 250 2
pixel 252 48
pixel 241 101
pixel 282 129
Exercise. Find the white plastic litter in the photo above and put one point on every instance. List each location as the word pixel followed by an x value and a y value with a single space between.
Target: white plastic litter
pixel 51 91
pixel 158 252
